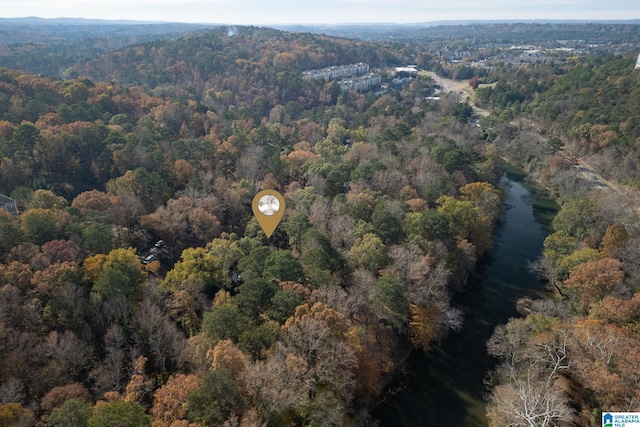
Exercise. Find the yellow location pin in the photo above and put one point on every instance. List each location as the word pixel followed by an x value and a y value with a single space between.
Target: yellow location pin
pixel 268 207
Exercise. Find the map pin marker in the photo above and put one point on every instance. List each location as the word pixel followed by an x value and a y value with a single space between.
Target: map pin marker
pixel 268 207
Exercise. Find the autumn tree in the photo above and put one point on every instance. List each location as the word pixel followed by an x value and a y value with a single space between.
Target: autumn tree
pixel 46 199
pixel 606 362
pixel 169 400
pixel 485 197
pixel 595 279
pixel 310 359
pixel 59 251
pixel 140 386
pixel 421 326
pixel 196 262
pixel 226 356
pixel 92 202
pixel 466 222
pixel 59 395
pixel 182 222
pixel 614 238
pixel 187 303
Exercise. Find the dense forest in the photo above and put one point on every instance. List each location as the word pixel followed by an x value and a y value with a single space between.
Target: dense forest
pixel 390 201
pixel 136 288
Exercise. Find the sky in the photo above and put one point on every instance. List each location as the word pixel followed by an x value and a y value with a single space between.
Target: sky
pixel 272 12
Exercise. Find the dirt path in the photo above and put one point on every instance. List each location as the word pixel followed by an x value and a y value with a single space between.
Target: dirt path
pixel 462 88
pixel 629 197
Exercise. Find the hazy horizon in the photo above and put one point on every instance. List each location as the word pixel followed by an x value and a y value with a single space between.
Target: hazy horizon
pixel 286 12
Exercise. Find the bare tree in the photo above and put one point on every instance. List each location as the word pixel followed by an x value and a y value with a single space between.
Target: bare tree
pixel 275 382
pixel 547 269
pixel 320 212
pixel 111 374
pixel 529 394
pixel 327 361
pixel 13 390
pixel 528 402
pixel 157 336
pixel 341 231
pixel 71 352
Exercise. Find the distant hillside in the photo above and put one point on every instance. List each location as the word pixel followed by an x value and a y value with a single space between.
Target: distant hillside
pixel 76 21
pixel 49 46
pixel 234 66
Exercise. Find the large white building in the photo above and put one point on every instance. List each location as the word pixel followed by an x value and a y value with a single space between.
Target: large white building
pixel 361 84
pixel 337 72
pixel 638 63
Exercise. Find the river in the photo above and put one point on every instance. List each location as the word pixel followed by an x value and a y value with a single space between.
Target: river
pixel 446 386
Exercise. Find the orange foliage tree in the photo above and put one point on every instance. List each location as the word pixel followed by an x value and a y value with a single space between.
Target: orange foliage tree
pixel 595 279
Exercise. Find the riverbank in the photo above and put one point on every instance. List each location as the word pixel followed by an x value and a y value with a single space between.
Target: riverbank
pixel 447 385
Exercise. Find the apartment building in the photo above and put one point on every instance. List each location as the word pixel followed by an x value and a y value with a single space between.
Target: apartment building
pixel 337 72
pixel 361 84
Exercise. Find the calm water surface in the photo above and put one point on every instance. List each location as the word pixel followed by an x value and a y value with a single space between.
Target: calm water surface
pixel 446 386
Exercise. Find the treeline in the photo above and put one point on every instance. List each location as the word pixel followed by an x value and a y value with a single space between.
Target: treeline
pixel 389 203
pixel 476 34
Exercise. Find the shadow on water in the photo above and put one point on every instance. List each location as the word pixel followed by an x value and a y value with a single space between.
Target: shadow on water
pixel 446 386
